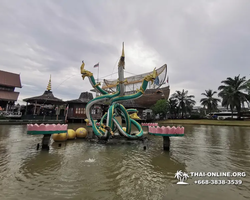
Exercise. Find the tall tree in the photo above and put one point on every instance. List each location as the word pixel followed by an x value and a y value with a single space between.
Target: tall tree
pixel 185 101
pixel 173 107
pixel 161 107
pixel 248 90
pixel 233 93
pixel 209 101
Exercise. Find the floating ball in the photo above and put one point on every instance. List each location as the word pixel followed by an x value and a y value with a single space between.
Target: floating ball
pixel 59 137
pixel 71 134
pixel 124 128
pixel 81 132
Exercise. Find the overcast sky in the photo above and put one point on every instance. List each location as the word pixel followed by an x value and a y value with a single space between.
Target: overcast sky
pixel 202 41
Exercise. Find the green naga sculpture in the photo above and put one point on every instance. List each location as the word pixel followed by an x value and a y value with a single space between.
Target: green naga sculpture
pixel 104 131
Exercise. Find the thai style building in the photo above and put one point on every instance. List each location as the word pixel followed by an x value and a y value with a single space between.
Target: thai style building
pixel 44 105
pixel 77 108
pixel 8 82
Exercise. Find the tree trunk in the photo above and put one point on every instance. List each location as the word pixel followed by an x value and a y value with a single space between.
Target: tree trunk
pixel 238 108
pixel 232 110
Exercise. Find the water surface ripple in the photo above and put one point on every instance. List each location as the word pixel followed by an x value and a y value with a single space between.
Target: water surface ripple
pixel 82 170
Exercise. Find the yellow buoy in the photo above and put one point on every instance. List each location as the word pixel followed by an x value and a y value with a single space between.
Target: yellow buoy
pixel 71 134
pixel 59 137
pixel 81 132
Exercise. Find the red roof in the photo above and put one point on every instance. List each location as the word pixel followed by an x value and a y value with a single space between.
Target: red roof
pixel 10 79
pixel 8 96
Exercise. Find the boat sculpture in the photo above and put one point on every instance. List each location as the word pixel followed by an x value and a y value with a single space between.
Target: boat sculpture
pixel 104 131
pixel 155 90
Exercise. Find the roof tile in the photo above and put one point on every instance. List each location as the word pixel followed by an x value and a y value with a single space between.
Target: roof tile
pixel 10 79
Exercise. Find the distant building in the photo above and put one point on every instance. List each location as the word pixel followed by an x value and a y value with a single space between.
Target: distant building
pixel 222 109
pixel 77 108
pixel 37 103
pixel 8 82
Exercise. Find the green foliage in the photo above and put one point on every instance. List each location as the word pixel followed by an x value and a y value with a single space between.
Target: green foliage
pixel 161 107
pixel 173 107
pixel 184 101
pixel 195 116
pixel 233 92
pixel 209 101
pixel 248 87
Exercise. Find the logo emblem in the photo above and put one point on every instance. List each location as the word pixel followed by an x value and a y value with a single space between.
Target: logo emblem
pixel 182 177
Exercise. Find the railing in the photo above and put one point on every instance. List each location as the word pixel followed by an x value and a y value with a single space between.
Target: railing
pixel 42 117
pixel 11 114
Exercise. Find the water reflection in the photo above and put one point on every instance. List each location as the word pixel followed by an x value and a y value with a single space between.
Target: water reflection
pixel 122 171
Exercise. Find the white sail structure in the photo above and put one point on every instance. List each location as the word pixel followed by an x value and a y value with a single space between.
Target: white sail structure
pixel 134 82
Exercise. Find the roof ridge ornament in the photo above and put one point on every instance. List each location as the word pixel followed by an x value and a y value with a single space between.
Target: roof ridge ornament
pixel 49 84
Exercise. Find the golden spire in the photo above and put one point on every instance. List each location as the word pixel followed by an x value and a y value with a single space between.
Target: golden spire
pixel 122 59
pixel 49 84
pixel 123 54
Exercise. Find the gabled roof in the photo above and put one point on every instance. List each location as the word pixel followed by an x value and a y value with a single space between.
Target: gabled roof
pixel 84 97
pixel 10 79
pixel 46 98
pixel 8 96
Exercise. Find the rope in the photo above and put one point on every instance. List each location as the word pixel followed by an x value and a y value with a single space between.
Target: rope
pixel 131 73
pixel 114 66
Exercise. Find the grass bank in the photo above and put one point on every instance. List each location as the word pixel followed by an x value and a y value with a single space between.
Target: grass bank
pixel 205 122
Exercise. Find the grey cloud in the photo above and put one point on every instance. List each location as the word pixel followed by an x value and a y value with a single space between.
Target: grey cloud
pixel 202 42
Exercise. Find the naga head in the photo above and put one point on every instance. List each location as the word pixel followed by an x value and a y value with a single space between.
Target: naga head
pixel 134 116
pixel 151 77
pixel 82 67
pixel 84 72
pixel 154 75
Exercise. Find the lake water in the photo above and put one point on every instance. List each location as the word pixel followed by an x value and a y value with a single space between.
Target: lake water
pixel 124 171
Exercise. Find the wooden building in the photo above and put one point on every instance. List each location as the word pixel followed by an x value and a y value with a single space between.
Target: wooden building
pixel 8 82
pixel 38 104
pixel 77 108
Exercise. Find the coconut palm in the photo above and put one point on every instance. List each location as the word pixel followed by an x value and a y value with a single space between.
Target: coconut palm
pixel 248 90
pixel 185 101
pixel 233 93
pixel 210 102
pixel 173 107
pixel 248 86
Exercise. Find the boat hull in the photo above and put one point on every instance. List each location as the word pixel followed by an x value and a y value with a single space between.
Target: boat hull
pixel 151 96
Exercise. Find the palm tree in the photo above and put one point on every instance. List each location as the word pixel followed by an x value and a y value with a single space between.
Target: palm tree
pixel 184 100
pixel 209 102
pixel 173 107
pixel 233 93
pixel 248 89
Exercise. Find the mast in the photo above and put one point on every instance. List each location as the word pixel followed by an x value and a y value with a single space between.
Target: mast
pixel 121 66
